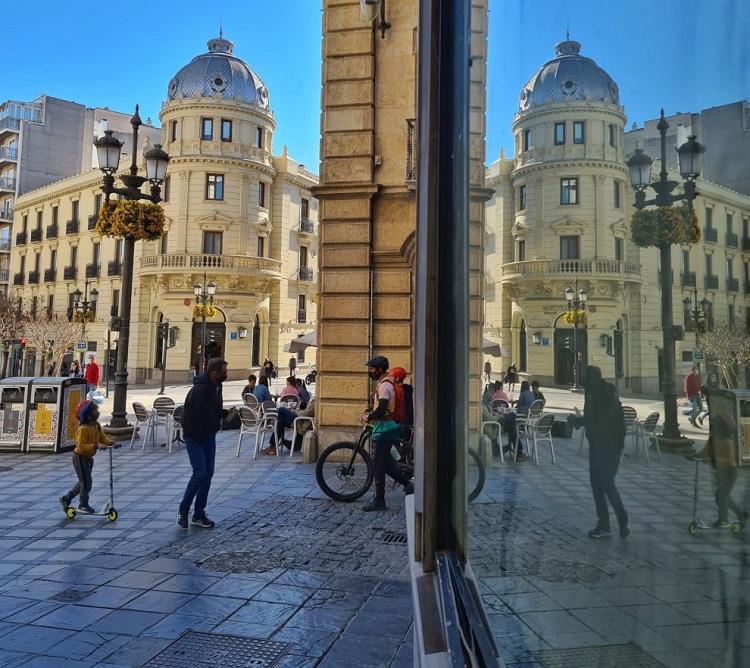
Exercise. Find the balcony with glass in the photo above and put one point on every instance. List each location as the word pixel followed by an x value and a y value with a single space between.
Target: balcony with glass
pixel 6 214
pixel 52 231
pixel 8 154
pixel 92 270
pixel 70 273
pixel 8 184
pixel 33 277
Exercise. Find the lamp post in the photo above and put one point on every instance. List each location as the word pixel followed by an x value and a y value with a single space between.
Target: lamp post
pixel 204 297
pixel 84 308
pixel 639 164
pixel 699 314
pixel 108 149
pixel 577 309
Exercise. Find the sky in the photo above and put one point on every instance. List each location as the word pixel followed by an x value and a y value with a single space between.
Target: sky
pixel 683 55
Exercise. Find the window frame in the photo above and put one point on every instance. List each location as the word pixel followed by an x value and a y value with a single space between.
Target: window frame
pixel 224 123
pixel 569 184
pixel 559 125
pixel 172 130
pixel 218 187
pixel 617 193
pixel 619 249
pixel 564 239
pixel 204 136
pixel 303 256
pixel 527 140
pixel 522 197
pixel 262 195
pixel 214 235
pixel 613 135
pixel 521 250
pixel 259 136
pixel 582 126
pixel 261 246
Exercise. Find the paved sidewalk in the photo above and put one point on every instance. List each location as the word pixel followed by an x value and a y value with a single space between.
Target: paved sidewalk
pixel 312 578
pixel 554 597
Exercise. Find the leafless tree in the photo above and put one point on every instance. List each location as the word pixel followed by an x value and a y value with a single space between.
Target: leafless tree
pixel 728 347
pixel 11 324
pixel 51 337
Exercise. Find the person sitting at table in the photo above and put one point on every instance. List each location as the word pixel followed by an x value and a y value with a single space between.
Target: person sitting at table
pixel 525 399
pixel 290 389
pixel 304 394
pixel 251 382
pixel 261 391
pixel 499 393
pixel 538 395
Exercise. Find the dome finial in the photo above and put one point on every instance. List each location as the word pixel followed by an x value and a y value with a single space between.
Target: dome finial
pixel 567 48
pixel 219 44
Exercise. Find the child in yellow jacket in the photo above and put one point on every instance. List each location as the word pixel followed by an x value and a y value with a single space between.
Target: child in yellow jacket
pixel 89 438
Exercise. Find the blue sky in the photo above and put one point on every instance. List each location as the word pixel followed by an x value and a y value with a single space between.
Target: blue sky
pixel 684 55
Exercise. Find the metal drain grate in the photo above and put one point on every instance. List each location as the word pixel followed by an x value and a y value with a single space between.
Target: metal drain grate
pixel 393 538
pixel 69 596
pixel 612 656
pixel 194 648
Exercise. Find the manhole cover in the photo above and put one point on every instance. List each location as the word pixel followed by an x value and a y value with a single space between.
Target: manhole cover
pixel 194 648
pixel 240 562
pixel 612 656
pixel 69 596
pixel 5 469
pixel 393 537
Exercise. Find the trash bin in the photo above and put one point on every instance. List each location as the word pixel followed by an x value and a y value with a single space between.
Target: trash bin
pixel 52 422
pixel 734 407
pixel 14 398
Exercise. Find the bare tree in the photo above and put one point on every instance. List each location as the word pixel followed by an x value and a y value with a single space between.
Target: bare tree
pixel 11 325
pixel 51 337
pixel 728 347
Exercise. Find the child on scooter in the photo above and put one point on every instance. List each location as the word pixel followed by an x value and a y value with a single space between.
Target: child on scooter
pixel 89 438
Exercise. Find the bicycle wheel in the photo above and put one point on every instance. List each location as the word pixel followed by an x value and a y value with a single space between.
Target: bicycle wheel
pixel 344 471
pixel 474 475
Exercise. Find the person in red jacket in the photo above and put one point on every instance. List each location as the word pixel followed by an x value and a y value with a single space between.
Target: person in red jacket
pixel 693 393
pixel 91 374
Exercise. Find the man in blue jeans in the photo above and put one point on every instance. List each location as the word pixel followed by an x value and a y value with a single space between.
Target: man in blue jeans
pixel 204 410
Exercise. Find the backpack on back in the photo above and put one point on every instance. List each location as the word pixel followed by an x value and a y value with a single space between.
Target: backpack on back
pixel 403 410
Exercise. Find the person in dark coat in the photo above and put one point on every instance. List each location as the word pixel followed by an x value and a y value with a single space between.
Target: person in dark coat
pixel 201 419
pixel 604 423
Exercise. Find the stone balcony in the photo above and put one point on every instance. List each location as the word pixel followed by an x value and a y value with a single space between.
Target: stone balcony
pixel 241 265
pixel 540 269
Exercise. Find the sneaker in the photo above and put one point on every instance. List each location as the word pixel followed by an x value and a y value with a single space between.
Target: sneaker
pixel 743 516
pixel 374 504
pixel 203 522
pixel 600 532
pixel 182 522
pixel 86 509
pixel 624 531
pixel 409 488
pixel 64 503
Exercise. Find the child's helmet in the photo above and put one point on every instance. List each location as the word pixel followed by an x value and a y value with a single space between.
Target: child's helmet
pixel 82 409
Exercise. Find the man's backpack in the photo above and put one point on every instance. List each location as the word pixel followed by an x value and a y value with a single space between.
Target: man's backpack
pixel 403 410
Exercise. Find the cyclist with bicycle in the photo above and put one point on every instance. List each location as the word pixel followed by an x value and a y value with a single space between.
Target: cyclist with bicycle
pixel 385 432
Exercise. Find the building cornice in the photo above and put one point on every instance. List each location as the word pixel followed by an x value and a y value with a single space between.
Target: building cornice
pixel 567 165
pixel 364 189
pixel 199 104
pixel 583 109
pixel 223 160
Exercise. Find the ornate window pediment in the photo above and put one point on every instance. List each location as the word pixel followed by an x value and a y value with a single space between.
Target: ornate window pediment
pixel 568 226
pixel 214 221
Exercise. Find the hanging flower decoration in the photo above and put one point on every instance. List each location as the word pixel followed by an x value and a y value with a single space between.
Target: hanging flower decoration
pixel 665 224
pixel 576 317
pixel 131 219
pixel 199 309
pixel 81 317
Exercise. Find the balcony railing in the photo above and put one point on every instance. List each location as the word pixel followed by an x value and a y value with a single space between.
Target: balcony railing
pixel 6 214
pixel 242 264
pixel 33 277
pixel 92 220
pixel 70 273
pixel 114 268
pixel 306 274
pixel 50 275
pixel 8 183
pixel 301 316
pixel 92 270
pixel 687 279
pixel 711 282
pixel 20 238
pixel 710 234
pixel 52 231
pixel 36 235
pixel 18 278
pixel 543 268
pixel 4 275
pixel 10 123
pixel 307 226
pixel 71 227
pixel 8 153
pixel 732 239
pixel 733 284
pixel 411 150
pixel 4 244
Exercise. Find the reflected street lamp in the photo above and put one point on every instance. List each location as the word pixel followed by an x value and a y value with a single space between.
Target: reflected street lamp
pixel 204 297
pixel 690 156
pixel 576 300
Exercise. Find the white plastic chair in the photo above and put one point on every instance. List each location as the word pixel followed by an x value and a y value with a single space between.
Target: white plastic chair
pixel 265 425
pixel 248 423
pixel 299 419
pixel 162 411
pixel 289 402
pixel 251 402
pixel 175 427
pixel 144 419
pixel 581 431
pixel 541 432
pixel 631 427
pixel 525 423
pixel 646 434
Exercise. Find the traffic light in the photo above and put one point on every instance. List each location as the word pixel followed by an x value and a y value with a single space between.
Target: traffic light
pixel 163 330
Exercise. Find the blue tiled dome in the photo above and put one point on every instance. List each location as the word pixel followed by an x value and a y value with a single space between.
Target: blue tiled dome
pixel 218 71
pixel 568 76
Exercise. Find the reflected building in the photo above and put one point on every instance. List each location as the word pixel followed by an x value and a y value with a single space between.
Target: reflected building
pixel 560 217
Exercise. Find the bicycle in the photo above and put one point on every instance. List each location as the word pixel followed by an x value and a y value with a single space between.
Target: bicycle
pixel 345 469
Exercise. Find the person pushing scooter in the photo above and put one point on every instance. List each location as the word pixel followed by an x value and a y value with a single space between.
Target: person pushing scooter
pixel 89 438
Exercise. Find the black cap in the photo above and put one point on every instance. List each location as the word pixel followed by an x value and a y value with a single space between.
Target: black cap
pixel 378 362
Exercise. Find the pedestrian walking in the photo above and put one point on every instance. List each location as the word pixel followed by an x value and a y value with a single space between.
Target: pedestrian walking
pixel 75 369
pixel 511 377
pixel 604 423
pixel 201 420
pixel 292 366
pixel 693 393
pixel 91 374
pixel 722 451
pixel 89 439
pixel 487 372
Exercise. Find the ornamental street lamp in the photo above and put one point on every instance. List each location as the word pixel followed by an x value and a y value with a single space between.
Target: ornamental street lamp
pixel 699 315
pixel 577 313
pixel 690 158
pixel 108 149
pixel 84 306
pixel 204 297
